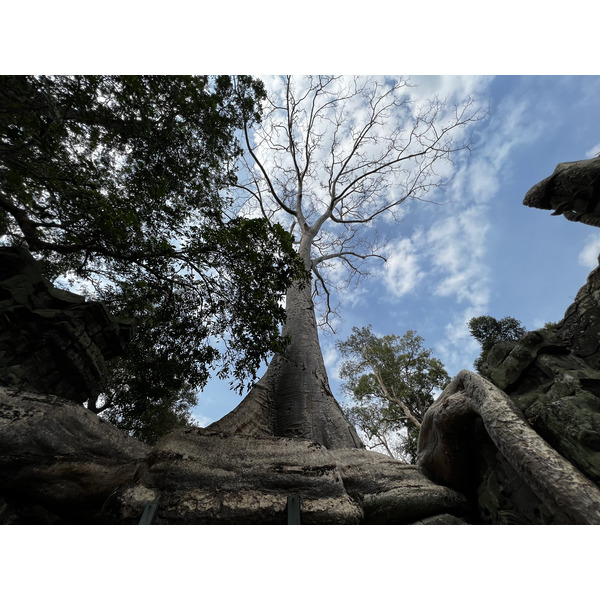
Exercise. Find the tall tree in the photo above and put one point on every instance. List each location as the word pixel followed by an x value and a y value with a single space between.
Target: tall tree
pixel 118 183
pixel 391 380
pixel 331 156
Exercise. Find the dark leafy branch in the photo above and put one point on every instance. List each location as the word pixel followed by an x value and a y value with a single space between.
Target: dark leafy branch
pixel 117 183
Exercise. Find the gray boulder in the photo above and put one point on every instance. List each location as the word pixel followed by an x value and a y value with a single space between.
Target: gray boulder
pixel 573 190
pixel 59 462
pixel 553 376
pixel 475 439
pixel 524 443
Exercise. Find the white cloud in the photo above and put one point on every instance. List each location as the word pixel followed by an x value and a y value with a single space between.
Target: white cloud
pixel 200 420
pixel 453 250
pixel 332 359
pixel 588 257
pixel 457 250
pixel 450 86
pixel 457 350
pixel 509 127
pixel 456 246
pixel 538 324
pixel 593 152
pixel 402 272
pixel 476 182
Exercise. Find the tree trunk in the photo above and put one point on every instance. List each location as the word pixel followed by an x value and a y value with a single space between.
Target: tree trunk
pixel 293 398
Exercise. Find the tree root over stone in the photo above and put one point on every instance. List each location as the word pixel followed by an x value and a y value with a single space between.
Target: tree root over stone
pixel 207 477
pixel 444 448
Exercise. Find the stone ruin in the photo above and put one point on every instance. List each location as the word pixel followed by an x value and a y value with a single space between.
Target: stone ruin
pixel 518 446
pixel 51 340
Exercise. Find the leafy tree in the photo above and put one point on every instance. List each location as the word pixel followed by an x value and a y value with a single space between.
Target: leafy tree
pixel 331 155
pixel 118 183
pixel 489 331
pixel 391 380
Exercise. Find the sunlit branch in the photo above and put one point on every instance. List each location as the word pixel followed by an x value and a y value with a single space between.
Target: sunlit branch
pixel 321 280
pixel 265 174
pixel 343 256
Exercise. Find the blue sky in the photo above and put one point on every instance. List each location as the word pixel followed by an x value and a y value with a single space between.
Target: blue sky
pixel 516 260
pixel 477 250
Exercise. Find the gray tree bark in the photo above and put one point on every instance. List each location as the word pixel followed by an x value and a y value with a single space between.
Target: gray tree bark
pixel 293 398
pixel 58 461
pixel 284 170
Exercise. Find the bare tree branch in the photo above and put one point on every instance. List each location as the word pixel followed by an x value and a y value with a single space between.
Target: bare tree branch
pixel 335 151
pixel 327 295
pixel 264 172
pixel 343 255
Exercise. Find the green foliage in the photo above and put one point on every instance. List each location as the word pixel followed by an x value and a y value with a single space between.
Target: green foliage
pixel 550 326
pixel 489 331
pixel 391 380
pixel 147 412
pixel 118 182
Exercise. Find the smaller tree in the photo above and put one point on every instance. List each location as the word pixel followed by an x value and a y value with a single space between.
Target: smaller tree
pixel 489 331
pixel 391 380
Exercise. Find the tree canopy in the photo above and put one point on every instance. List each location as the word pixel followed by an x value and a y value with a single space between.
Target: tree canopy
pixel 334 154
pixel 391 380
pixel 116 183
pixel 489 331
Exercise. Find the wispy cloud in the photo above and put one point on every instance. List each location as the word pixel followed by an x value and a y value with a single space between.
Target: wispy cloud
pixel 332 359
pixel 588 257
pixel 200 420
pixel 457 257
pixel 457 349
pixel 457 248
pixel 592 152
pixel 450 86
pixel 402 272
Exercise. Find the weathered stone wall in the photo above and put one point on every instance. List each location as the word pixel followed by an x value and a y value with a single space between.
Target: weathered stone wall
pixel 553 376
pixel 551 379
pixel 475 439
pixel 52 341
